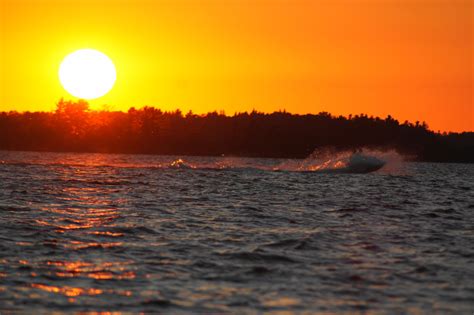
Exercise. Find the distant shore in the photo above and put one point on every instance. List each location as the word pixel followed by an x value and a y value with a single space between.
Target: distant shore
pixel 73 128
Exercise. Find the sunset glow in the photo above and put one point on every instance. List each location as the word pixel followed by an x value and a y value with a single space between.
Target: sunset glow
pixel 409 59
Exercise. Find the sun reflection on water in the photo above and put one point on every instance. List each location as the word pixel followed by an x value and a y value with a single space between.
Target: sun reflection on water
pixel 81 222
pixel 67 291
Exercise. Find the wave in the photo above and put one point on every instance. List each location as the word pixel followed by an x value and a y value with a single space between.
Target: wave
pixel 109 182
pixel 180 164
pixel 344 162
pixel 258 257
pixel 355 162
pixel 320 161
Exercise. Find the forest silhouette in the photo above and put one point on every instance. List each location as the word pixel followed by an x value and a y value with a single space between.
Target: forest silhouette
pixel 74 127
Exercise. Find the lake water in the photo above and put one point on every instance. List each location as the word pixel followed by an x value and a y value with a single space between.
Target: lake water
pixel 135 233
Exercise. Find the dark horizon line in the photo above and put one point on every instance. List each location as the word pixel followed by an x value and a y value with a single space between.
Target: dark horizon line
pixel 73 127
pixel 237 113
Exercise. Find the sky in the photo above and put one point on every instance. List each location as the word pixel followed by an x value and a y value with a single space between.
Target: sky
pixel 411 59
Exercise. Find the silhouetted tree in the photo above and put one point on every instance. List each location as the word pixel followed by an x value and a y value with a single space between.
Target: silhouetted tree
pixel 74 127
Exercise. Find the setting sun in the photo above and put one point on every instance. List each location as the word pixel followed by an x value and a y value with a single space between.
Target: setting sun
pixel 87 73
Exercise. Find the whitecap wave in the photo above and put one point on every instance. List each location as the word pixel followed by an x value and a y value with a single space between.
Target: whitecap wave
pixel 347 161
pixel 360 162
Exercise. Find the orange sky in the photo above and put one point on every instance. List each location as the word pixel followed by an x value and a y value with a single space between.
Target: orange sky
pixel 412 59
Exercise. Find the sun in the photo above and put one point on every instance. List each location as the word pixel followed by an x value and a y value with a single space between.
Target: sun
pixel 87 73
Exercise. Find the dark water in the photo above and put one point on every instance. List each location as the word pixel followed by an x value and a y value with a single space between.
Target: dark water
pixel 81 232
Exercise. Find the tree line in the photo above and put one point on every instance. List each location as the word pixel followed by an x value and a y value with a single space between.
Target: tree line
pixel 74 127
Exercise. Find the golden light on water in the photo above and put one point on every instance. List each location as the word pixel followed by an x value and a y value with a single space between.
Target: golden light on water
pixel 95 217
pixel 66 290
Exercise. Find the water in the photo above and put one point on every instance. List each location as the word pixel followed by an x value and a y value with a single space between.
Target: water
pixel 131 233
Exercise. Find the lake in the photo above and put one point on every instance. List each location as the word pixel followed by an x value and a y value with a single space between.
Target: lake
pixel 144 233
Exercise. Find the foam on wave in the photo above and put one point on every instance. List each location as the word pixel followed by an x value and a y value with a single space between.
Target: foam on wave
pixel 330 161
pixel 362 161
pixel 320 161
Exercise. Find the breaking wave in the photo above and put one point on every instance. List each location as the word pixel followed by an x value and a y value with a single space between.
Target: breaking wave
pixel 359 161
pixel 320 161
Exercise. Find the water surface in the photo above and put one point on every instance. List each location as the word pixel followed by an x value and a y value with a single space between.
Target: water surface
pixel 132 233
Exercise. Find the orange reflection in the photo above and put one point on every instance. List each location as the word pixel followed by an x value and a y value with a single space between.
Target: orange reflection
pixel 85 245
pixel 281 302
pixel 73 265
pixel 89 217
pixel 67 291
pixel 90 208
pixel 106 233
pixel 110 275
pixel 73 292
pixel 101 271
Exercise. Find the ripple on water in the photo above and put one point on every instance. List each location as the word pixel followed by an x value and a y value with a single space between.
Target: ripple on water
pixel 82 233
